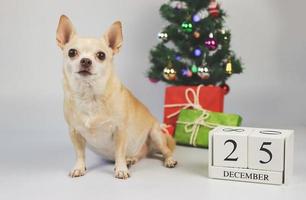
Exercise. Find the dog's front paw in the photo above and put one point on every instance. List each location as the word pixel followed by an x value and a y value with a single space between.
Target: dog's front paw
pixel 170 162
pixel 122 173
pixel 77 172
pixel 131 161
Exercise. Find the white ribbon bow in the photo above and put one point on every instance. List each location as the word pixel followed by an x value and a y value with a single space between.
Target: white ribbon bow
pixel 194 126
pixel 195 104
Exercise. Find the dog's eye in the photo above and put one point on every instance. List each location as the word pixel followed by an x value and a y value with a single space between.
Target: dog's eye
pixel 101 55
pixel 72 53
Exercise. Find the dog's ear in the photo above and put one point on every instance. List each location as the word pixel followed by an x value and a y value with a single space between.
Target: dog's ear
pixel 65 31
pixel 114 36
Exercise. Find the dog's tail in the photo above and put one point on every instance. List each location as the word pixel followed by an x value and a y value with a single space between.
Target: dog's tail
pixel 170 141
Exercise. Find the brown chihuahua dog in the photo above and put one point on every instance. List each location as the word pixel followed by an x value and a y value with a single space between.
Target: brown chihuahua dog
pixel 100 111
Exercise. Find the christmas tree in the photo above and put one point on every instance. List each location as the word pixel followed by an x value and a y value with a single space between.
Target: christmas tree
pixel 194 48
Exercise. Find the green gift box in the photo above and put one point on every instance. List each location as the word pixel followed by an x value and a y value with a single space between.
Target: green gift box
pixel 193 126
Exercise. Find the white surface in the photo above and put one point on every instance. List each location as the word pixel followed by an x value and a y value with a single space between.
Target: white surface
pixel 36 167
pixel 224 147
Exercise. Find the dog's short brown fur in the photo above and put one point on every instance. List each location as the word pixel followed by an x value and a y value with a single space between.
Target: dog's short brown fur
pixel 100 111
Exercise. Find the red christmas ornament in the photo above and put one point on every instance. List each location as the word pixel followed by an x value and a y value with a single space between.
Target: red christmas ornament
pixel 225 88
pixel 213 8
pixel 153 80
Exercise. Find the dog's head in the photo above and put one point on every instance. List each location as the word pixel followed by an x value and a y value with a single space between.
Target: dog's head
pixel 87 58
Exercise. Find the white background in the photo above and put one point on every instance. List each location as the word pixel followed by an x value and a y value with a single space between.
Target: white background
pixel 269 36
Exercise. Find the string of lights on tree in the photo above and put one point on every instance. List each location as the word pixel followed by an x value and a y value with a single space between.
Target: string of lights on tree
pixel 194 48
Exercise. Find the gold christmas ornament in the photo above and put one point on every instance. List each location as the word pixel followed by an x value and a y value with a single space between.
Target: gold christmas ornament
pixel 229 67
pixel 196 34
pixel 169 73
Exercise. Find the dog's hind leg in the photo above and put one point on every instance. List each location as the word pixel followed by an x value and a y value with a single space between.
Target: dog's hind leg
pixel 164 143
pixel 141 154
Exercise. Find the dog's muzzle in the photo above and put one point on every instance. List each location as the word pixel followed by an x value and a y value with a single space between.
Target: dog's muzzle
pixel 85 66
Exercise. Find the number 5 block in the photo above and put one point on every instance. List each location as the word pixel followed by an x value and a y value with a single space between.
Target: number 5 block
pixel 266 149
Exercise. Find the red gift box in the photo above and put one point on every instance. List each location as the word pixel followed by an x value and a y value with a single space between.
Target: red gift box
pixel 197 97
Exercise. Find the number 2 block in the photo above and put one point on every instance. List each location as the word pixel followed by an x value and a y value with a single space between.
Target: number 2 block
pixel 266 150
pixel 230 148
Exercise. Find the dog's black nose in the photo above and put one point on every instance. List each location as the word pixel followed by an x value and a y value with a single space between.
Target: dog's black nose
pixel 85 62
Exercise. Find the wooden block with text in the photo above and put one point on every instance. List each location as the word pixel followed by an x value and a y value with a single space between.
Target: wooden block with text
pixel 251 154
pixel 231 148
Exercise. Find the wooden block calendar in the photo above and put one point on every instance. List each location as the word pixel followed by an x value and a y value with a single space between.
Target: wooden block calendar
pixel 251 154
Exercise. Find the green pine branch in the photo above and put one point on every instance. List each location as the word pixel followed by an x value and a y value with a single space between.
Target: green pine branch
pixel 182 43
